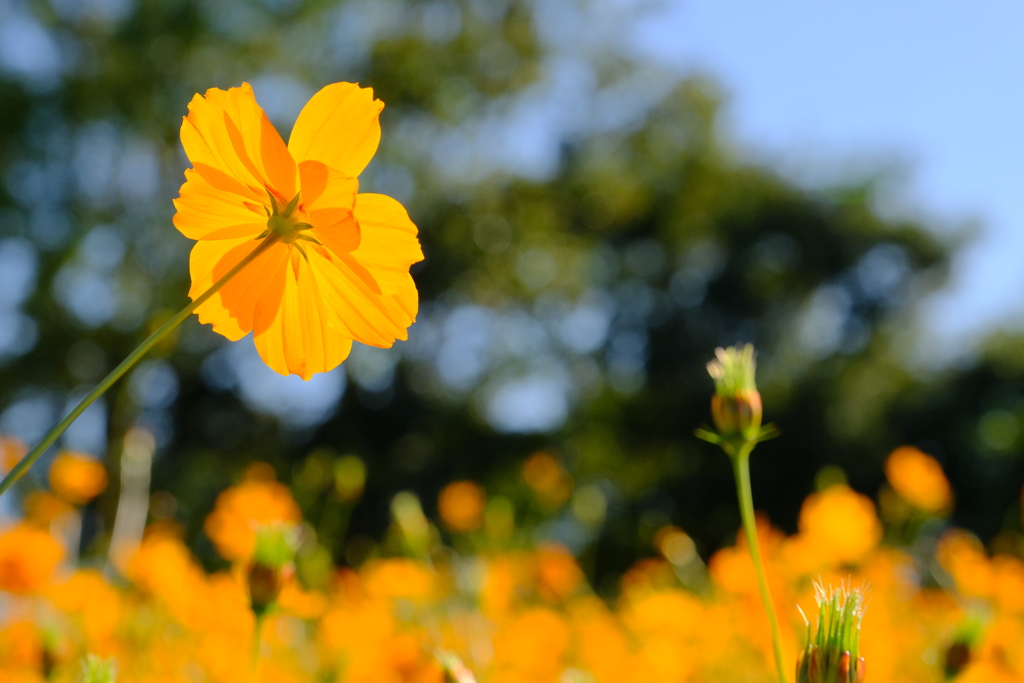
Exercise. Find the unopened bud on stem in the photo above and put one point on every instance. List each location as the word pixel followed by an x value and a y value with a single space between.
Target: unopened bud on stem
pixel 736 405
pixel 963 649
pixel 271 565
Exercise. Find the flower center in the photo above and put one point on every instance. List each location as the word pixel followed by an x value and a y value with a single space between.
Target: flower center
pixel 284 226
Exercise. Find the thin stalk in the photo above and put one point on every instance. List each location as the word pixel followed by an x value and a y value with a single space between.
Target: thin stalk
pixel 254 655
pixel 741 468
pixel 126 365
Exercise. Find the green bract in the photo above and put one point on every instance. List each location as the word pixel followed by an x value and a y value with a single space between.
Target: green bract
pixel 832 655
pixel 96 670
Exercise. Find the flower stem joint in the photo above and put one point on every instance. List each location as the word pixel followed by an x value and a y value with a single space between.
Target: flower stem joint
pixel 832 654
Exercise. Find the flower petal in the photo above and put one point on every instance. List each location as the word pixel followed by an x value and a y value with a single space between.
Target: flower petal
pixel 225 183
pixel 388 244
pixel 231 310
pixel 327 199
pixel 323 186
pixel 339 126
pixel 205 211
pixel 293 332
pixel 338 230
pixel 228 131
pixel 356 311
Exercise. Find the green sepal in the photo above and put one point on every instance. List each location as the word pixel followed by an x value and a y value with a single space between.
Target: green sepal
pixel 709 436
pixel 291 205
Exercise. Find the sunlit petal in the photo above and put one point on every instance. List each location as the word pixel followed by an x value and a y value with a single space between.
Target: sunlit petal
pixel 339 126
pixel 356 310
pixel 208 212
pixel 388 244
pixel 231 310
pixel 228 131
pixel 293 333
pixel 328 197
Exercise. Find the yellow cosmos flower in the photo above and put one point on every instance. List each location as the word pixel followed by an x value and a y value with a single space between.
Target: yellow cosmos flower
pixel 336 268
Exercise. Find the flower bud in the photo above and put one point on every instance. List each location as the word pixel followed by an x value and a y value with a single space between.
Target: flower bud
pixel 957 657
pixel 963 650
pixel 271 565
pixel 736 405
pixel 832 654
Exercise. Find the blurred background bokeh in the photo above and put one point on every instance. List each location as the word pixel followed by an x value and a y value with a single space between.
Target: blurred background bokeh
pixel 594 226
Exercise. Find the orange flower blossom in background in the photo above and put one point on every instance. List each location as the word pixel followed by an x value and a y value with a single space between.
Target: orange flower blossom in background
pixel 28 558
pixel 461 506
pixel 11 451
pixel 337 268
pixel 241 509
pixel 918 478
pixel 77 478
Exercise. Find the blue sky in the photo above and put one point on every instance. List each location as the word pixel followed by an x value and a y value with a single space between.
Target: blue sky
pixel 933 88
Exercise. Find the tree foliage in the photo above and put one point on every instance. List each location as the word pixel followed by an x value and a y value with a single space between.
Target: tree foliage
pixel 567 306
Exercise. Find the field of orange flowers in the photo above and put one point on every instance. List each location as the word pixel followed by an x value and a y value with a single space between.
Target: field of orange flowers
pixel 467 597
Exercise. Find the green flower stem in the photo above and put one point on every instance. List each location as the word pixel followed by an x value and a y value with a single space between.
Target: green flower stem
pixel 133 358
pixel 254 653
pixel 741 468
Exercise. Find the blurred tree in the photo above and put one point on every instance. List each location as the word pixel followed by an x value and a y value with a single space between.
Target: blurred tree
pixel 589 241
